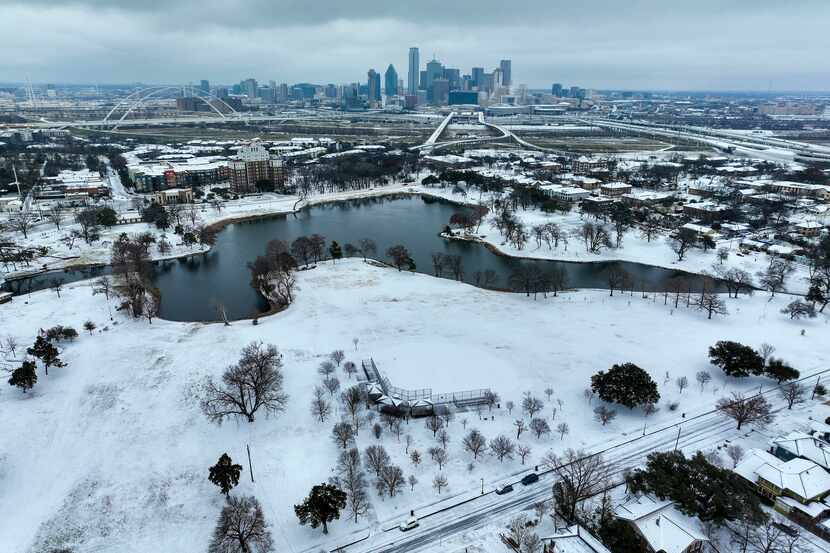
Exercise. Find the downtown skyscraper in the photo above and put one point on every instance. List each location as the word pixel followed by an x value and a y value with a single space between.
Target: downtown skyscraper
pixel 414 74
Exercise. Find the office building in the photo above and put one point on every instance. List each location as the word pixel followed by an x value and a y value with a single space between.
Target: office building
pixel 373 84
pixel 506 72
pixel 453 76
pixel 249 87
pixel 477 75
pixel 204 86
pixel 556 90
pixel 440 91
pixel 461 97
pixel 390 81
pixel 253 167
pixel 434 71
pixel 413 77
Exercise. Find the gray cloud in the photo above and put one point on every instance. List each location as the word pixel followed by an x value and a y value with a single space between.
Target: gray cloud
pixel 739 44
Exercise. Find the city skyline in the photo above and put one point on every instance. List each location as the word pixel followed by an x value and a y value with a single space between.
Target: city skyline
pixel 645 46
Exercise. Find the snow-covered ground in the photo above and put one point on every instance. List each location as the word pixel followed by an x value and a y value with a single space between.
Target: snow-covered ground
pixel 634 247
pixel 111 452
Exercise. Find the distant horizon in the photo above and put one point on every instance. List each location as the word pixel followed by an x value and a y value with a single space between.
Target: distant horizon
pixel 195 83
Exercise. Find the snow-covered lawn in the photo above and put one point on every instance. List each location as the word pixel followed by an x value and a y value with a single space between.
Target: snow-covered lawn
pixel 111 452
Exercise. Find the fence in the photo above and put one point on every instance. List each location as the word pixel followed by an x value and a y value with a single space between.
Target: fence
pixel 457 399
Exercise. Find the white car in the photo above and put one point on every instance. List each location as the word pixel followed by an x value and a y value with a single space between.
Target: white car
pixel 409 524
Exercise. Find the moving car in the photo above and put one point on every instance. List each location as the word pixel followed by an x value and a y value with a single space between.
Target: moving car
pixel 506 488
pixel 530 479
pixel 409 524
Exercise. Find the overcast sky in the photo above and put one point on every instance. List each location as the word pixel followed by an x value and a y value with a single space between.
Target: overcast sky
pixel 633 44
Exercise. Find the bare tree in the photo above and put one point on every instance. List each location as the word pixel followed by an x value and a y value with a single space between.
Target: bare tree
pixel 702 378
pixel 332 385
pixel 367 247
pixel 509 404
pixel 579 476
pixel 682 383
pixel 343 434
pixel 350 368
pixel 439 482
pixel 9 345
pixel 774 277
pixel 54 215
pixel 391 479
pixel 712 304
pixel 771 537
pixel 523 451
pixel 751 410
pixel 377 431
pixel 532 404
pixel 595 237
pixel 412 481
pixel 241 528
pixel 434 424
pixel 255 382
pixel 502 446
pixel 441 457
pixel 766 350
pixel 736 453
pixel 415 457
pixel 491 398
pixel 683 240
pixel 474 442
pixel 376 458
pixel 443 438
pixel 352 399
pixel 604 415
pixel 520 427
pixel 337 356
pixel 539 427
pixel 562 428
pixel 793 393
pixel 320 407
pixel 351 479
pixel 326 368
pixel 549 392
pixel 22 221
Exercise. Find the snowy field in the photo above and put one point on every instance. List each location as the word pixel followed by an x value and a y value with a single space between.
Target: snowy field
pixel 110 453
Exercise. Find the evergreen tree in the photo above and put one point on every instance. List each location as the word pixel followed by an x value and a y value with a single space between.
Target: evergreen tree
pixel 736 359
pixel 321 506
pixel 335 251
pixel 225 474
pixel 44 350
pixel 24 377
pixel 780 370
pixel 625 384
pixel 697 487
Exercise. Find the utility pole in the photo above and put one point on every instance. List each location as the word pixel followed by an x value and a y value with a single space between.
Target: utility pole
pixel 814 387
pixel 250 466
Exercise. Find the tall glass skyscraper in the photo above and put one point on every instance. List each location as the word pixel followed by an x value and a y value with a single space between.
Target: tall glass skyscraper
pixel 506 72
pixel 414 71
pixel 390 81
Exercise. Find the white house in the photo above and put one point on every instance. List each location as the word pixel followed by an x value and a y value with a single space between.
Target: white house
pixel 664 528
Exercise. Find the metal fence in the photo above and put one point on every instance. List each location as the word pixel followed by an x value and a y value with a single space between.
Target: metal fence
pixel 458 399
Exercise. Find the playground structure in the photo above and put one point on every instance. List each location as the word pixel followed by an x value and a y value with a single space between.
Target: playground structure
pixel 417 403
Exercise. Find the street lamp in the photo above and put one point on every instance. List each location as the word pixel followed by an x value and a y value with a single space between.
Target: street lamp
pixel 482 486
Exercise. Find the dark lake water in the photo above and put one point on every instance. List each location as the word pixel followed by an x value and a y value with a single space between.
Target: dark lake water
pixel 189 287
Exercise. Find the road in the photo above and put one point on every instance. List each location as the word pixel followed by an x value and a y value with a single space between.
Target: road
pixel 114 181
pixel 700 432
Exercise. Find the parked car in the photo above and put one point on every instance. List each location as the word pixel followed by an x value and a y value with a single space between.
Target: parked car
pixel 506 488
pixel 409 524
pixel 530 479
